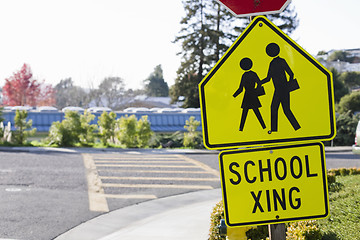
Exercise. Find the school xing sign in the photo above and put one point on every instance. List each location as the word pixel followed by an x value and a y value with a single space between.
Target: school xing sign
pixel 266 89
pixel 274 185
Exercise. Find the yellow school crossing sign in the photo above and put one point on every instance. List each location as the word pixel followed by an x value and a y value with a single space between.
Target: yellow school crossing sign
pixel 266 89
pixel 274 184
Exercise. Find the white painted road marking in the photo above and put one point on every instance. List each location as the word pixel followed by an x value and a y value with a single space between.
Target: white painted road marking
pixel 99 166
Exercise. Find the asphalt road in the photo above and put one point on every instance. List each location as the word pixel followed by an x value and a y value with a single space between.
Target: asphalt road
pixel 342 159
pixel 46 194
pixel 42 195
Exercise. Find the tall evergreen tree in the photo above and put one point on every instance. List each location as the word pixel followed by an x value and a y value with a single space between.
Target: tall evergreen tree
pixel 193 38
pixel 339 87
pixel 208 29
pixel 287 20
pixel 350 79
pixel 155 86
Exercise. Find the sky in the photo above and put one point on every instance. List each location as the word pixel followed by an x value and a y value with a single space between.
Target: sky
pixel 89 40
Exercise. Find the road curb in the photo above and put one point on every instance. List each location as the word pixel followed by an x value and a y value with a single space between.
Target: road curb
pixel 135 150
pixel 111 224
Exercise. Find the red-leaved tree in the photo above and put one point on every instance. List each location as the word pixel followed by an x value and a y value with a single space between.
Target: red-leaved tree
pixel 46 96
pixel 22 90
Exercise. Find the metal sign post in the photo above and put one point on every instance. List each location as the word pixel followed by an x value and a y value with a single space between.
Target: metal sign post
pixel 277 231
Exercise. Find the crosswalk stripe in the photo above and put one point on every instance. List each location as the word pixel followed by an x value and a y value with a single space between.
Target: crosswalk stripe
pixel 169 168
pixel 159 178
pixel 130 196
pixel 149 171
pixel 136 158
pixel 137 161
pixel 122 185
pixel 146 166
pixel 200 165
pixel 97 201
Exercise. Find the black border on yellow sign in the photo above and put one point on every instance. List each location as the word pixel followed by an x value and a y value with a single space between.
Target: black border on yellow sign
pixel 280 220
pixel 270 141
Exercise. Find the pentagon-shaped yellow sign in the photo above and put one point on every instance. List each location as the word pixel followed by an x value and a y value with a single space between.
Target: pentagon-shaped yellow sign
pixel 266 89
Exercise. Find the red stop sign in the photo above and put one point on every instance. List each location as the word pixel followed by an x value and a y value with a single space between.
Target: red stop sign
pixel 254 7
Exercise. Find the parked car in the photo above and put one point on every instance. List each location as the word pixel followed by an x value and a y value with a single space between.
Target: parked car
pixel 21 108
pixel 76 109
pixel 356 146
pixel 99 109
pixel 47 109
pixel 137 110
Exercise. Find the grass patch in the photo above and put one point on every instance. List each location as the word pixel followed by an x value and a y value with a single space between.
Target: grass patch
pixel 344 219
pixel 38 136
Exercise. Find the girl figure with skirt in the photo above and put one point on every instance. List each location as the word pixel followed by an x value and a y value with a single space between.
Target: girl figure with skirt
pixel 253 89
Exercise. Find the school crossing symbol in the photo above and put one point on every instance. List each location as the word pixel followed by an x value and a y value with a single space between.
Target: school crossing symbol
pixel 274 184
pixel 264 90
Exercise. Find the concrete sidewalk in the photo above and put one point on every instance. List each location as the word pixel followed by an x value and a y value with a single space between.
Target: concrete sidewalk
pixel 338 149
pixel 185 216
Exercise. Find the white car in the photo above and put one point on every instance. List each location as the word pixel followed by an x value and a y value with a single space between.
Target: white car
pixel 21 108
pixel 356 146
pixel 75 109
pixel 47 109
pixel 99 109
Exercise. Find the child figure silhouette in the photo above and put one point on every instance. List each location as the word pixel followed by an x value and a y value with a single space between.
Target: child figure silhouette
pixel 253 89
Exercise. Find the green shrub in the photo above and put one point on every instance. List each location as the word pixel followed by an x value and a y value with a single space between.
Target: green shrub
pixel 59 135
pixel 259 233
pixel 132 133
pixel 192 138
pixel 66 133
pixel 334 171
pixel 349 103
pixel 345 129
pixel 354 171
pixel 216 215
pixel 126 133
pixel 344 171
pixel 304 230
pixel 333 186
pixel 144 132
pixel 107 127
pixel 74 129
pixel 22 126
pixel 331 177
pixel 87 130
pixel 167 140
